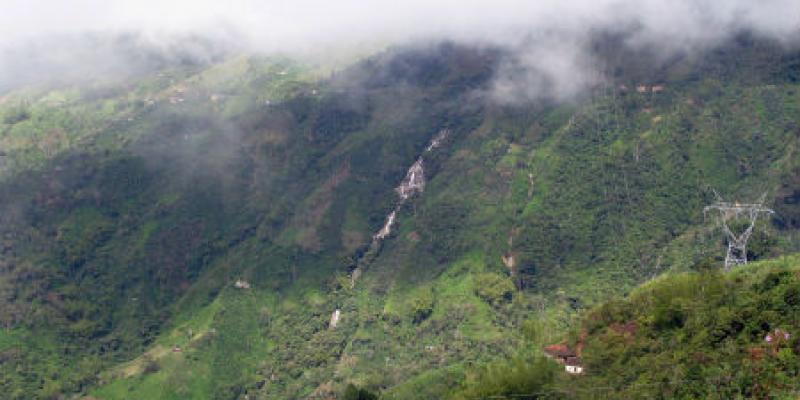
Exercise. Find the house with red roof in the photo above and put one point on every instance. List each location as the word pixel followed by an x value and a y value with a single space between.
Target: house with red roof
pixel 562 354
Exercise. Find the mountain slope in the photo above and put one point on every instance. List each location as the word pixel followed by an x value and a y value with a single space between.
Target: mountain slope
pixel 123 243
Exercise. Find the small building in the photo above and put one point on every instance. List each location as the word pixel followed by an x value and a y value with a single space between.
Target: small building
pixel 641 88
pixel 562 354
pixel 241 284
pixel 573 365
pixel 657 88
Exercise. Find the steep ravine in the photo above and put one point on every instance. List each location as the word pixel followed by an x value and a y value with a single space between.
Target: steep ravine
pixel 413 183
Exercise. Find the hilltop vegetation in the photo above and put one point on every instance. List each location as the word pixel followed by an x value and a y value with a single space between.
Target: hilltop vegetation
pixel 130 211
pixel 701 334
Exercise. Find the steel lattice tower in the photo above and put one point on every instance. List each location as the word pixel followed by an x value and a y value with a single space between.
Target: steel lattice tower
pixel 737 241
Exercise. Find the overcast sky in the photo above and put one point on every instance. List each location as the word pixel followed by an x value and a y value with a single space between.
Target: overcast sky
pixel 287 23
pixel 311 25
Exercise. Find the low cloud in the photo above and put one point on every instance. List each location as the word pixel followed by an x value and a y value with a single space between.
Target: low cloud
pixel 548 39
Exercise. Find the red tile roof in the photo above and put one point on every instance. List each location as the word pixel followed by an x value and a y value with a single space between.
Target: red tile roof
pixel 559 350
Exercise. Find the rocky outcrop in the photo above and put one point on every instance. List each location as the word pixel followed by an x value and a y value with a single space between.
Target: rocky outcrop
pixel 412 183
pixel 337 314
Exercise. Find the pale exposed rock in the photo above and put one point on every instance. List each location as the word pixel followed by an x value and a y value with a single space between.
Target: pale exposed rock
pixel 354 277
pixel 414 181
pixel 387 227
pixel 437 140
pixel 337 314
pixel 530 187
pixel 508 261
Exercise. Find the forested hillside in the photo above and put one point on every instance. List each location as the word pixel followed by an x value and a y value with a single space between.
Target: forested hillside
pixel 702 335
pixel 208 229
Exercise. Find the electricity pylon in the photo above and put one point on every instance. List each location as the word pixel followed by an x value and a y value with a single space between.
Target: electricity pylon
pixel 737 241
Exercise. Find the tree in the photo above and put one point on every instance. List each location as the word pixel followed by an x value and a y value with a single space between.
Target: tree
pixel 16 114
pixel 355 393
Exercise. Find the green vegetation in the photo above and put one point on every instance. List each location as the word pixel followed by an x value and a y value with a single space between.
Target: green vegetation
pixel 354 393
pixel 700 335
pixel 494 288
pixel 690 335
pixel 129 213
pixel 534 376
pixel 16 114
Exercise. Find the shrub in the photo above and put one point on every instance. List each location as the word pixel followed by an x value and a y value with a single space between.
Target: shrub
pixel 422 306
pixel 355 393
pixel 493 288
pixel 518 377
pixel 150 365
pixel 16 115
